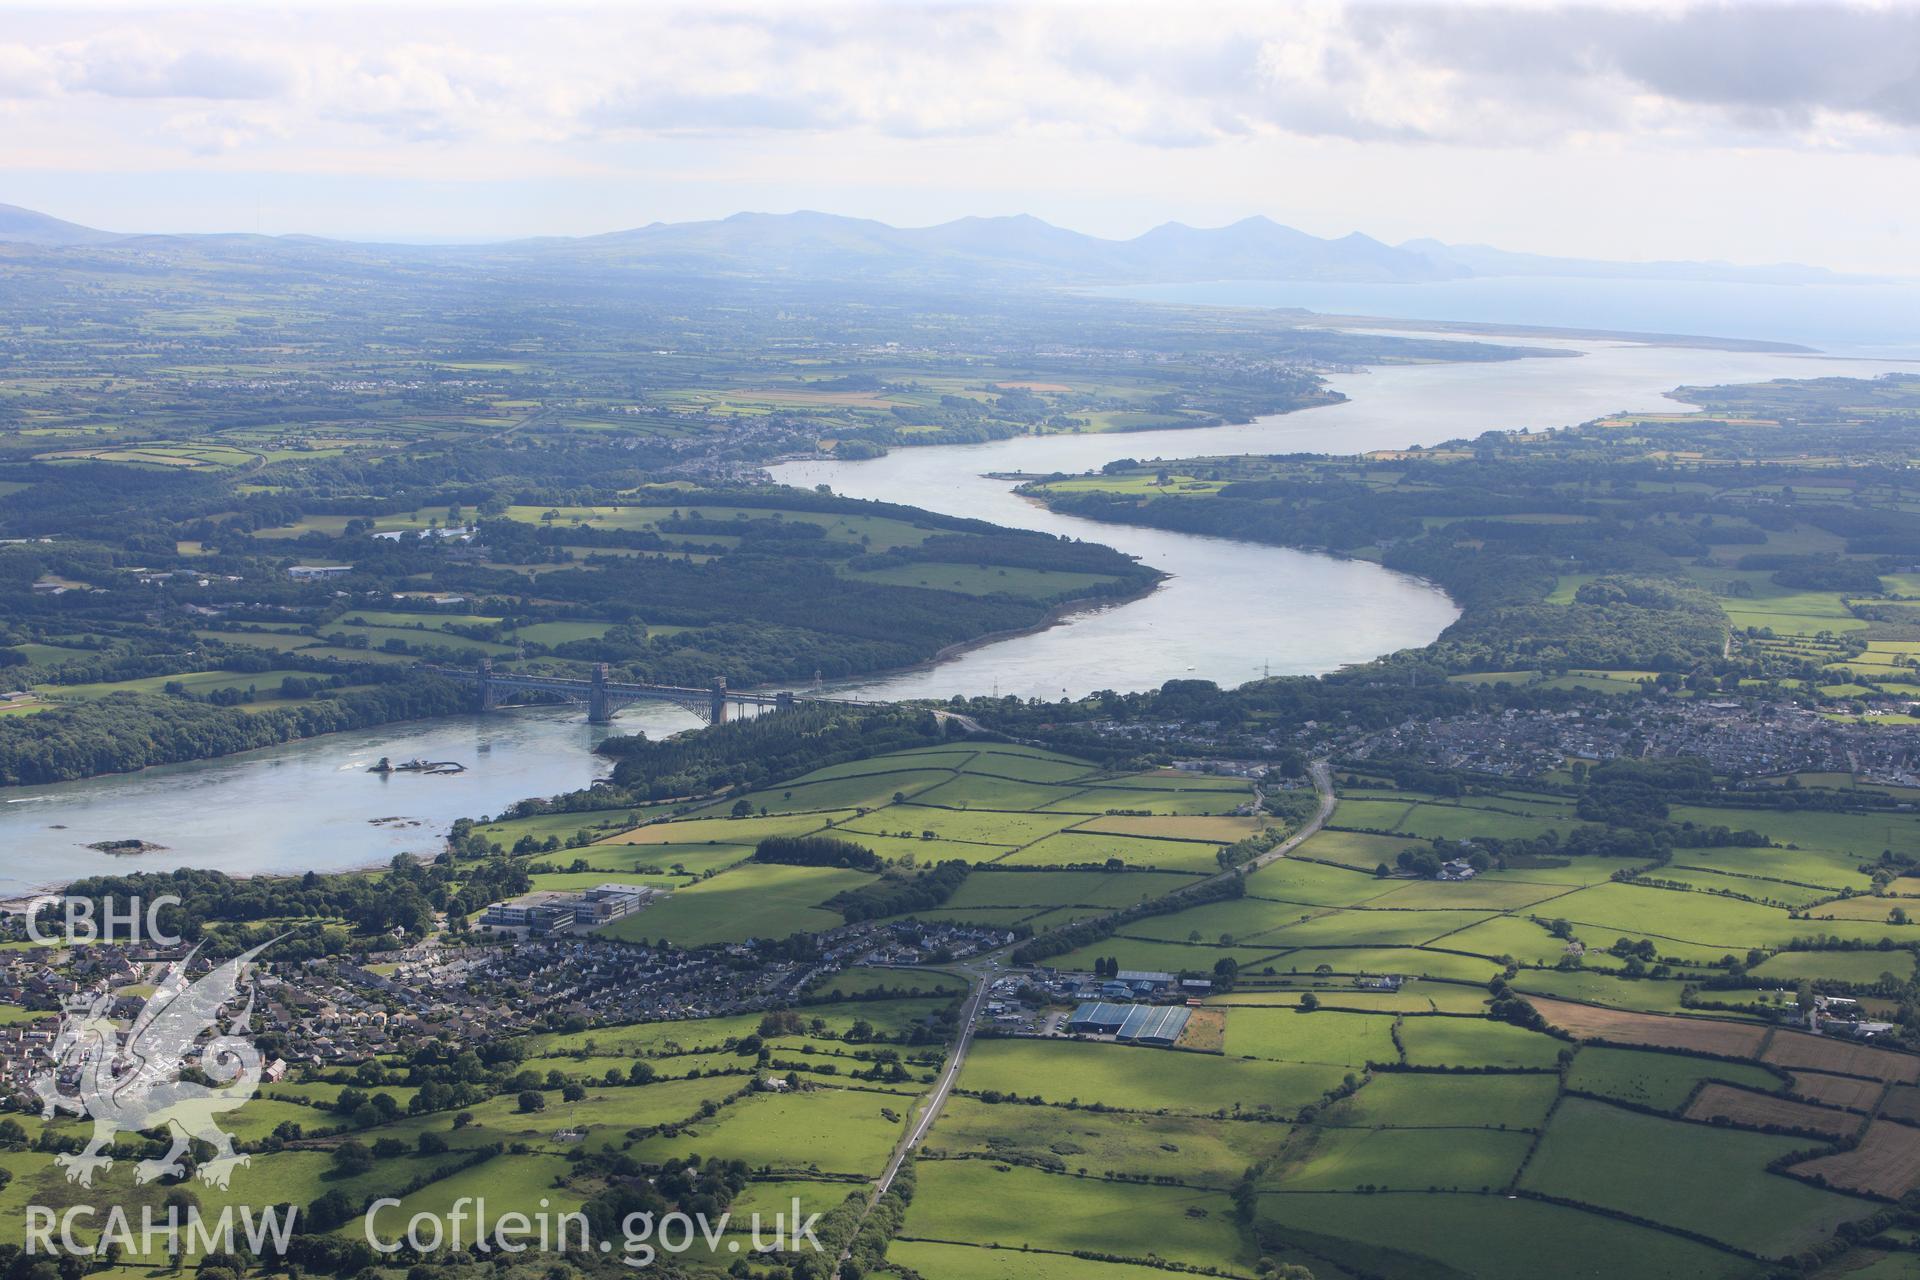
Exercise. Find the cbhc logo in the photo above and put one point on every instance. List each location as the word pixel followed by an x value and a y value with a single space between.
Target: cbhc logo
pixel 86 923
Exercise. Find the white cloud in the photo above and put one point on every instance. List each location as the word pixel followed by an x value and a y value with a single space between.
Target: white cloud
pixel 1161 75
pixel 138 65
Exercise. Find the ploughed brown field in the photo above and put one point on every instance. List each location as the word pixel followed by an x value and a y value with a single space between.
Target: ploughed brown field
pixel 1796 1049
pixel 1697 1035
pixel 1740 1106
pixel 1886 1163
pixel 1837 1091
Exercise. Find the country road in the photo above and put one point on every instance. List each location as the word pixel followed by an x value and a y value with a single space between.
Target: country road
pixel 1322 774
pixel 938 1098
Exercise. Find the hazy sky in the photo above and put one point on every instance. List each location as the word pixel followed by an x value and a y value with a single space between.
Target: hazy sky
pixel 1749 132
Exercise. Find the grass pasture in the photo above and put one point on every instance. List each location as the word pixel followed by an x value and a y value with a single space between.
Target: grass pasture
pixel 949 1261
pixel 1664 1081
pixel 839 1131
pixel 987 888
pixel 1324 1037
pixel 1208 1152
pixel 1440 1236
pixel 1073 848
pixel 756 900
pixel 1142 1079
pixel 1405 1100
pixel 1347 1159
pixel 1442 1041
pixel 1646 995
pixel 1411 961
pixel 1861 968
pixel 969 1200
pixel 1709 1180
pixel 1353 848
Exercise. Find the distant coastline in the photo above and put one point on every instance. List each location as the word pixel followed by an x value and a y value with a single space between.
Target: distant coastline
pixel 1864 319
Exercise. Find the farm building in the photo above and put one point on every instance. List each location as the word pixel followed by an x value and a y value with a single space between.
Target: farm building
pixel 1154 1024
pixel 1145 981
pixel 1137 1023
pixel 1097 1018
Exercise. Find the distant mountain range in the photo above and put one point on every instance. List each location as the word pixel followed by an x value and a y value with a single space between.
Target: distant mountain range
pixel 24 226
pixel 1002 250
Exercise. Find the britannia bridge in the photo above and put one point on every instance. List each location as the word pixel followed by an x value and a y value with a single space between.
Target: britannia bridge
pixel 602 696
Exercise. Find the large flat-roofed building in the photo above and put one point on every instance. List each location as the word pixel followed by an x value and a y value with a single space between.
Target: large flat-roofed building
pixel 547 910
pixel 1159 1024
pixel 1154 1024
pixel 535 914
pixel 1097 1018
pixel 606 902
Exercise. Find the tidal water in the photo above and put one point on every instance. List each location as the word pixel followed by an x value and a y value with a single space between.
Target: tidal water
pixel 1873 318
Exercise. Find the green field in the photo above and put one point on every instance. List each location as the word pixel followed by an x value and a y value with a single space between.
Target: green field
pixel 1864 967
pixel 1348 1159
pixel 1413 961
pixel 1709 1180
pixel 1453 1237
pixel 755 900
pixel 967 1200
pixel 981 1262
pixel 849 982
pixel 1418 1101
pixel 1324 1037
pixel 1352 848
pixel 822 1130
pixel 1143 1079
pixel 1464 1042
pixel 1695 920
pixel 1593 987
pixel 1076 849
pixel 1661 1080
pixel 1210 1152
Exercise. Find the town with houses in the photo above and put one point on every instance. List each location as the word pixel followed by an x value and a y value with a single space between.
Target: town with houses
pixel 1746 741
pixel 341 1011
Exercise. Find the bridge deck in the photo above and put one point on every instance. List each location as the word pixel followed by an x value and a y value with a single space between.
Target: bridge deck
pixel 585 689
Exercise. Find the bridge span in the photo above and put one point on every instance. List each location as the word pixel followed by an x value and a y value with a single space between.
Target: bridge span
pixel 603 696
